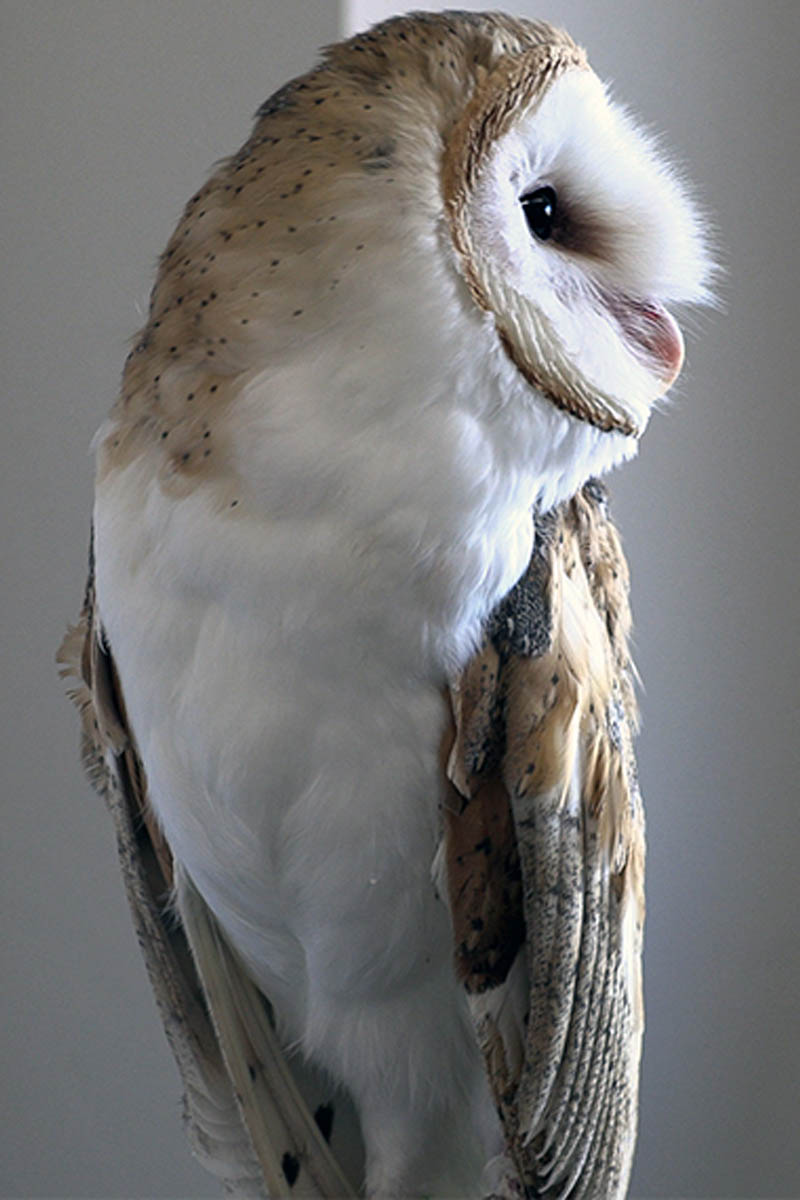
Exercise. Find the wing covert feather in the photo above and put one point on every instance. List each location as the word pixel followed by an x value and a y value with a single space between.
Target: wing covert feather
pixel 544 719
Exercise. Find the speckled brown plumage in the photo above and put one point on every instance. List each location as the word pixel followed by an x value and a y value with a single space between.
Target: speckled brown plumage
pixel 230 270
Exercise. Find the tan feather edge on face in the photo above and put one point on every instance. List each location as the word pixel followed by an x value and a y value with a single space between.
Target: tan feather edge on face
pixel 512 88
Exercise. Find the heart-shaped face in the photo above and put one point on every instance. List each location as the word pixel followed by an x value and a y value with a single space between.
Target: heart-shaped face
pixel 574 234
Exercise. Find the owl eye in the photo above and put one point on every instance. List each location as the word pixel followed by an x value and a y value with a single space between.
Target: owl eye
pixel 539 208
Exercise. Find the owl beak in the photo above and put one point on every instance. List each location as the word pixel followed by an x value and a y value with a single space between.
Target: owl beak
pixel 664 342
pixel 652 329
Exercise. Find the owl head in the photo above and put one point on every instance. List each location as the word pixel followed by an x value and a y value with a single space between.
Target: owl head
pixel 448 210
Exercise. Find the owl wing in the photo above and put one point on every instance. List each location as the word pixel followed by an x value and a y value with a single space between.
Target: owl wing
pixel 543 854
pixel 245 1117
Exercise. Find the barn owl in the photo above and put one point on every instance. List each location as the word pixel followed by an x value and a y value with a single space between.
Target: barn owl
pixel 353 657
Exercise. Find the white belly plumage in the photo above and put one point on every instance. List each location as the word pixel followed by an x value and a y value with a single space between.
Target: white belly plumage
pixel 298 785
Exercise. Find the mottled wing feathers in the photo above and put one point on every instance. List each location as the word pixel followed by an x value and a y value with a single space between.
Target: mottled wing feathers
pixel 544 847
pixel 244 1116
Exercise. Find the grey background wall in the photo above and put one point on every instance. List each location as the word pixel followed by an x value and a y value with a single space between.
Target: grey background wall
pixel 112 112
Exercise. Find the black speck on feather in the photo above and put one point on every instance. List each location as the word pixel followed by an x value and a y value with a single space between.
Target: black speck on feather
pixel 282 99
pixel 323 1115
pixel 290 1167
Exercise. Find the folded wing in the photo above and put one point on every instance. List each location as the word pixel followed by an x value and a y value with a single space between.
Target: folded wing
pixel 544 858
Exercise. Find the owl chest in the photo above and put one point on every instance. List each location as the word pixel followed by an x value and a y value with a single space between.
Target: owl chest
pixel 285 684
pixel 307 813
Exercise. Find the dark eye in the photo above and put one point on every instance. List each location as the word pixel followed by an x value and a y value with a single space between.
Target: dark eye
pixel 539 208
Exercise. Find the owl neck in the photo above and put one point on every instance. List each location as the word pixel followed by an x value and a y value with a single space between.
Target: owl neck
pixel 458 489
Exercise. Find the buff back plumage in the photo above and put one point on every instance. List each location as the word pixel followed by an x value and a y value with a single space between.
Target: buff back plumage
pixel 368 123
